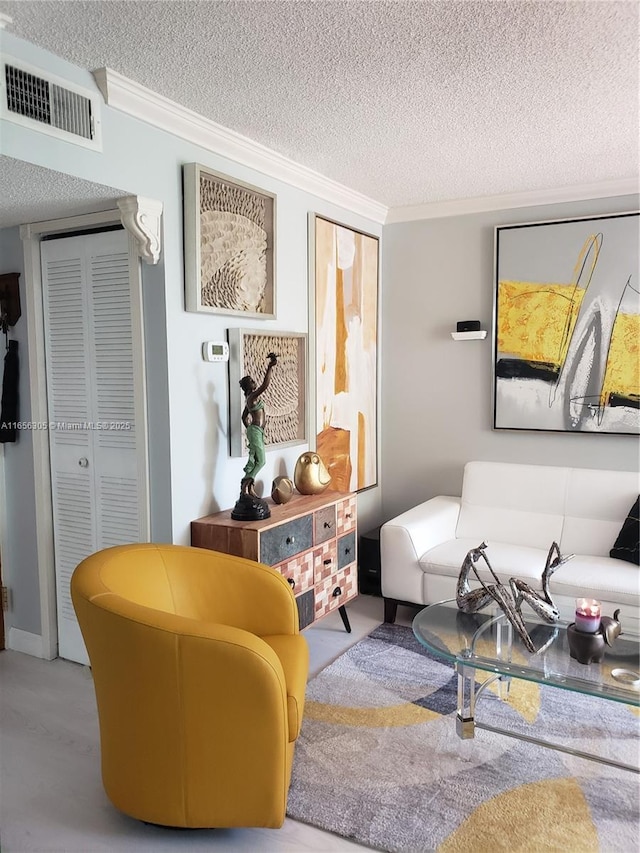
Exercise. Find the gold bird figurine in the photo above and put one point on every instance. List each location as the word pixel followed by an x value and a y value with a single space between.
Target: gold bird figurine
pixel 311 476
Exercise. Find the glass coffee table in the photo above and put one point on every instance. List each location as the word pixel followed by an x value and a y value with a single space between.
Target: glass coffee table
pixel 486 641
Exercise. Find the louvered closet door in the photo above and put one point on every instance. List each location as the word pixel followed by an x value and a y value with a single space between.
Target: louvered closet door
pixel 95 464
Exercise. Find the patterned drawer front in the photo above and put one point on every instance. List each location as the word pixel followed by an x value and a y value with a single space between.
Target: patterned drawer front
pixel 325 561
pixel 336 590
pixel 324 524
pixel 282 542
pixel 346 549
pixel 300 570
pixel 346 515
pixel 305 609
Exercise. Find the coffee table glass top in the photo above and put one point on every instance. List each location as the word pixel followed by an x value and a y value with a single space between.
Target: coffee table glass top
pixel 482 641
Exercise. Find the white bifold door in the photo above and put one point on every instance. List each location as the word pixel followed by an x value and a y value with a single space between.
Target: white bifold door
pixel 95 391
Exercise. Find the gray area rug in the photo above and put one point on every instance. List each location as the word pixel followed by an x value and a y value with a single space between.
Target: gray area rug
pixel 378 760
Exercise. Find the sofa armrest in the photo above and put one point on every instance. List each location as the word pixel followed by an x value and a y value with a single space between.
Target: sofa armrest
pixel 426 525
pixel 404 539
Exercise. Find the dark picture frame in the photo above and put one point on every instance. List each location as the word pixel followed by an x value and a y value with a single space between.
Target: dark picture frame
pixel 566 325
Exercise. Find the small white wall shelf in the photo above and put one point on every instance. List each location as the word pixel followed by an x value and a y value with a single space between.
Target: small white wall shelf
pixel 469 336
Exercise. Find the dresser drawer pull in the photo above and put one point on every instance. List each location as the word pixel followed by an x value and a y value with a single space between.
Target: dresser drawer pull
pixel 291 583
pixel 336 592
pixel 327 524
pixel 348 515
pixel 290 540
pixel 327 562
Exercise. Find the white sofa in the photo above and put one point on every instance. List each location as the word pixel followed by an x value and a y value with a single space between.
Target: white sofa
pixel 519 510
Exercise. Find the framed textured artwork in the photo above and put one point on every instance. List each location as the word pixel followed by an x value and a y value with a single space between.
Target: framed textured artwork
pixel 345 318
pixel 284 399
pixel 567 325
pixel 229 235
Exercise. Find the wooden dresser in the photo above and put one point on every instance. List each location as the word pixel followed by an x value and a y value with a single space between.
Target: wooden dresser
pixel 311 540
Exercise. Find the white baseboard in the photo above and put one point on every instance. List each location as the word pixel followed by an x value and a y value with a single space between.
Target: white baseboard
pixel 27 643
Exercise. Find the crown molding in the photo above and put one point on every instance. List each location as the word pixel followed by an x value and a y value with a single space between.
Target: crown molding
pixel 130 97
pixel 482 204
pixel 126 95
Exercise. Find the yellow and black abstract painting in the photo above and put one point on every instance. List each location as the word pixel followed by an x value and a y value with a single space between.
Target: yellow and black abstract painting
pixel 567 325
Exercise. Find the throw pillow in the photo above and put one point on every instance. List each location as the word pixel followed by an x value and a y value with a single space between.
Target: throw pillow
pixel 627 545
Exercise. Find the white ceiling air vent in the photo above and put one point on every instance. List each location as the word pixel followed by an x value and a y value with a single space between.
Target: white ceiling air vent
pixel 38 100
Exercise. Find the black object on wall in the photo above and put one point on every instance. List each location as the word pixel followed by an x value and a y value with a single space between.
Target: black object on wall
pixel 9 315
pixel 9 299
pixel 9 409
pixel 468 326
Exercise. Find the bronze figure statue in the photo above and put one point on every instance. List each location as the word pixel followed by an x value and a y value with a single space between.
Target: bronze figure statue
pixel 254 420
pixel 250 506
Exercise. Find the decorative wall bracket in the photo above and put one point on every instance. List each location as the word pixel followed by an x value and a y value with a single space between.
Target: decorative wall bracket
pixel 142 218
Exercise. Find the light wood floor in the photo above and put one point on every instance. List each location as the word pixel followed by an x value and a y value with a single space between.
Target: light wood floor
pixel 51 796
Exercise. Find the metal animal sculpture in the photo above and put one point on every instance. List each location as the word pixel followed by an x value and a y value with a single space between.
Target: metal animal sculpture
pixel 610 627
pixel 587 647
pixel 509 598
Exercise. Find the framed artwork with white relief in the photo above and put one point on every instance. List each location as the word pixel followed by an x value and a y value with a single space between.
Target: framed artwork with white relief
pixel 229 245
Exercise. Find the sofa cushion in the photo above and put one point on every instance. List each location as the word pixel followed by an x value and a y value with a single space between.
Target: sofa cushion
pixel 596 504
pixel 518 504
pixel 611 579
pixel 627 544
pixel 507 561
pixel 598 577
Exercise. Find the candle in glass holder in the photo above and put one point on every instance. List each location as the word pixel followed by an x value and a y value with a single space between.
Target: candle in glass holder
pixel 587 615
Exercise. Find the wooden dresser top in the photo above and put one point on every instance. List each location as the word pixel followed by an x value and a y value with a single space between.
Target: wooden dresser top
pixel 297 506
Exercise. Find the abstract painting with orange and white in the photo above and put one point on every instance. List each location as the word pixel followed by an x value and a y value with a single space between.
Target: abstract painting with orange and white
pixel 346 317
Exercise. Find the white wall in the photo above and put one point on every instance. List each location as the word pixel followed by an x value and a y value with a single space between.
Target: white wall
pixel 189 422
pixel 436 411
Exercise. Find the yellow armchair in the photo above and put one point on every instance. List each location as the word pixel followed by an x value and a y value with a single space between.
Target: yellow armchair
pixel 200 674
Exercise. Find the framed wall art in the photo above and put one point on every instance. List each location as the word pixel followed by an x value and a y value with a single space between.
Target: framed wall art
pixel 285 399
pixel 229 243
pixel 345 311
pixel 567 325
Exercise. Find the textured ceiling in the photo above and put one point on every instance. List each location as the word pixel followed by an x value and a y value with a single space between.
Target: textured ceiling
pixel 33 194
pixel 406 102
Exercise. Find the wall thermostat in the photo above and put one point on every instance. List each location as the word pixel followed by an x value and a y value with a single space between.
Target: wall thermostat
pixel 215 351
